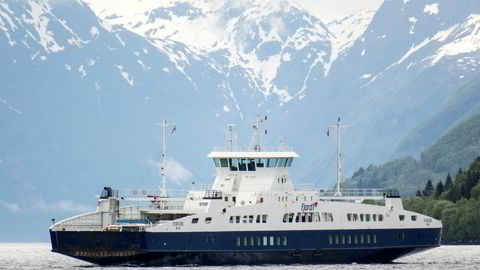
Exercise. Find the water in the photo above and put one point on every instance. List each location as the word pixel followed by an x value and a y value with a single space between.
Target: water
pixel 38 256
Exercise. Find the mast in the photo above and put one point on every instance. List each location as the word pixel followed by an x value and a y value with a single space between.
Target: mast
pixel 230 137
pixel 339 173
pixel 164 126
pixel 257 135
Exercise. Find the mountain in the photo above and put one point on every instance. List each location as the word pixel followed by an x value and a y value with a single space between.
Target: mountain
pixel 453 151
pixel 262 40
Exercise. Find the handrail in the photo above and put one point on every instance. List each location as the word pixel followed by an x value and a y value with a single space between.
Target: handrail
pixel 360 192
pixel 279 148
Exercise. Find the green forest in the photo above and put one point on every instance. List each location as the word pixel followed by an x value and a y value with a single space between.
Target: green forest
pixel 456 202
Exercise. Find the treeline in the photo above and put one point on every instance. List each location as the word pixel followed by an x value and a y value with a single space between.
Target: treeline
pixel 454 201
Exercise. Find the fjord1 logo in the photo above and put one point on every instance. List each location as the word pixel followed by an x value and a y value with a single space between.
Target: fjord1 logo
pixel 308 207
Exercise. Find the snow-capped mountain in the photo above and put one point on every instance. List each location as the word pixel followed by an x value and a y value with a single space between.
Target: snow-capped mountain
pixel 263 38
pixel 410 62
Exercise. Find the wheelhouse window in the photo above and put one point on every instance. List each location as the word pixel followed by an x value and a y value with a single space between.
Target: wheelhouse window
pixel 289 163
pixel 233 164
pixel 208 220
pixel 217 162
pixel 401 217
pixel 251 165
pixel 261 162
pixel 272 162
pixel 242 165
pixel 224 163
pixel 194 220
pixel 414 218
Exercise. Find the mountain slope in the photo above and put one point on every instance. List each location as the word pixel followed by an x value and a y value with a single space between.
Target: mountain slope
pixel 454 150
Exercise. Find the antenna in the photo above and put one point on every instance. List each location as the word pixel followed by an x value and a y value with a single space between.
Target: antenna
pixel 230 137
pixel 164 126
pixel 257 135
pixel 338 127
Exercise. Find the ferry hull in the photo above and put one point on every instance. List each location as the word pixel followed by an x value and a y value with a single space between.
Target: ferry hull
pixel 159 249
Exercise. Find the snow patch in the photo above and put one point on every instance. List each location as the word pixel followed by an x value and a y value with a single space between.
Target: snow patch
pixel 125 75
pixel 82 71
pixel 363 52
pixel 226 108
pixel 120 40
pixel 412 20
pixel 431 9
pixel 94 31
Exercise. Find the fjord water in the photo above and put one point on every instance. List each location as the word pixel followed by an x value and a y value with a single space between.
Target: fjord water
pixel 38 256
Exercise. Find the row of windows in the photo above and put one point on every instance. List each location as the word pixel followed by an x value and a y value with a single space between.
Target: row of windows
pixel 208 220
pixel 355 239
pixel 303 217
pixel 402 217
pixel 364 217
pixel 251 241
pixel 249 219
pixel 250 164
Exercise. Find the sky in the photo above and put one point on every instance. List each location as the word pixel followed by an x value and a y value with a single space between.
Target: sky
pixel 328 10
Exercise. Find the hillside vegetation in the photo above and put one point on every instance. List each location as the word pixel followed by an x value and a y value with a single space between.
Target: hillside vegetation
pixel 453 151
pixel 456 203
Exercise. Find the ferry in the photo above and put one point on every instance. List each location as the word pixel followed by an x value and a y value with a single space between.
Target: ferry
pixel 252 214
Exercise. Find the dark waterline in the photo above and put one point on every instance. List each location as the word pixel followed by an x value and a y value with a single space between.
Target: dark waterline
pixel 38 256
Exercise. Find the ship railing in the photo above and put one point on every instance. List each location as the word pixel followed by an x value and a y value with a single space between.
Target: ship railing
pixel 88 221
pixel 154 193
pixel 167 205
pixel 279 148
pixel 304 187
pixel 357 192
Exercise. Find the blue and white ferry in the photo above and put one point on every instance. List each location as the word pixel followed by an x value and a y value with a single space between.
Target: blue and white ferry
pixel 252 214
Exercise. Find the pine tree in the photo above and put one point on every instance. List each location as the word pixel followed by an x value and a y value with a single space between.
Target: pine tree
pixel 448 182
pixel 419 194
pixel 439 189
pixel 429 189
pixel 470 182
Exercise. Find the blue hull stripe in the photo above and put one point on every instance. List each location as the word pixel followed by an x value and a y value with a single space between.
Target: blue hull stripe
pixel 259 247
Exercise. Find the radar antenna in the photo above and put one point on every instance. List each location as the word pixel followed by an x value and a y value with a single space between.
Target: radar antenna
pixel 231 137
pixel 255 143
